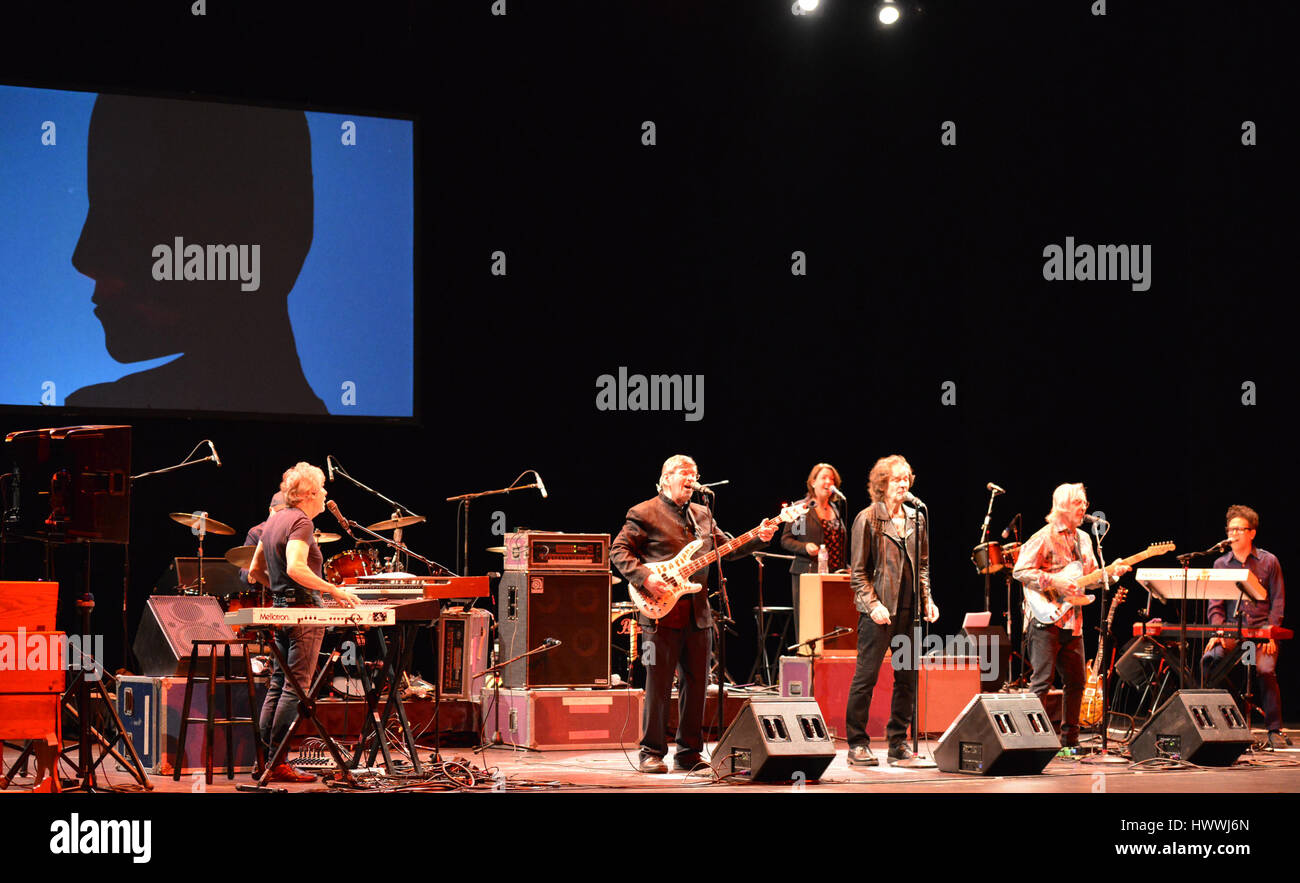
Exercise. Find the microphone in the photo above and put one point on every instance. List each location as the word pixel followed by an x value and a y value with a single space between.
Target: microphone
pixel 1093 519
pixel 835 492
pixel 914 500
pixel 1220 545
pixel 343 522
pixel 702 489
pixel 213 449
pixel 1006 531
pixel 996 490
pixel 329 465
pixel 541 485
pixel 552 642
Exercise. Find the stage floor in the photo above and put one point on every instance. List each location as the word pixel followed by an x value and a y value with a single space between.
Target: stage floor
pixel 613 770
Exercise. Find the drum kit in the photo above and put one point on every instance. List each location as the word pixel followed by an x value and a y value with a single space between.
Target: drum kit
pixel 364 560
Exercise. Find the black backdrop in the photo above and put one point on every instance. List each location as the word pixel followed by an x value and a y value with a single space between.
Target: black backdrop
pixel 775 134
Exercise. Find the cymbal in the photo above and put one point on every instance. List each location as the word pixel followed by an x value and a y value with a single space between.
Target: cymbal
pixel 323 537
pixel 394 523
pixel 211 525
pixel 241 556
pixel 500 550
pixel 619 609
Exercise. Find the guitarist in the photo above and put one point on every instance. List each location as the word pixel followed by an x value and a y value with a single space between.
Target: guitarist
pixel 682 640
pixel 1042 567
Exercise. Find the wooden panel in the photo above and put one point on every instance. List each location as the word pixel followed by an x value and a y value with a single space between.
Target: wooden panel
pixel 29 605
pixel 16 652
pixel 29 717
pixel 825 603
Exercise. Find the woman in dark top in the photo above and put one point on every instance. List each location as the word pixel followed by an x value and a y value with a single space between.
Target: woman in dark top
pixel 823 525
pixel 288 560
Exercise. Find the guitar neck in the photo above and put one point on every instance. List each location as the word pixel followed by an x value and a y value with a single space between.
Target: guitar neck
pixel 697 564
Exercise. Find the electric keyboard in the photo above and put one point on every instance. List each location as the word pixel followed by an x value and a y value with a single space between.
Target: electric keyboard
pixel 404 585
pixel 1204 630
pixel 1202 584
pixel 363 615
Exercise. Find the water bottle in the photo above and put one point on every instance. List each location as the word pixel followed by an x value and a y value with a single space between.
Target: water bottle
pixel 823 559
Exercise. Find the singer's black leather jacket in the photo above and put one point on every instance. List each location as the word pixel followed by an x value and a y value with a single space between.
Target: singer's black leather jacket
pixel 878 551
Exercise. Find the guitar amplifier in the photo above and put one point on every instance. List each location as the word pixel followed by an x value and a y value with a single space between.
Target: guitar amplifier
pixel 462 653
pixel 539 550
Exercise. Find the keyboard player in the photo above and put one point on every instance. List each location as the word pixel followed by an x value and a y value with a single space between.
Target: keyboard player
pixel 1243 522
pixel 288 561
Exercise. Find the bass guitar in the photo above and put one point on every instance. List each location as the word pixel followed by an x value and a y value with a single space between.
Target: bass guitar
pixel 1050 605
pixel 1090 711
pixel 677 570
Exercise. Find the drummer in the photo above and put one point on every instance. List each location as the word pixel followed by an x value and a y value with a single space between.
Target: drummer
pixel 277 503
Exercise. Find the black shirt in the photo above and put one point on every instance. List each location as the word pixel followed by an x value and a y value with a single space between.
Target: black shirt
pixel 290 524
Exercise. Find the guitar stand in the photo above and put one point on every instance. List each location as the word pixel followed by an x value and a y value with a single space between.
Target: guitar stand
pixel 342 772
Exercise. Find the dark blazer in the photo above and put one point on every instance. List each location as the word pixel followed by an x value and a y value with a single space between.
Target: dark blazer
pixel 877 567
pixel 656 530
pixel 813 532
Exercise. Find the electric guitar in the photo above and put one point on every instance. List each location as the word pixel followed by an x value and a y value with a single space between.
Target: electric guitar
pixel 676 570
pixel 1049 605
pixel 1090 711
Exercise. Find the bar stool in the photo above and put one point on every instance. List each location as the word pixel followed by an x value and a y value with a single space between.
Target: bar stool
pixel 767 619
pixel 211 722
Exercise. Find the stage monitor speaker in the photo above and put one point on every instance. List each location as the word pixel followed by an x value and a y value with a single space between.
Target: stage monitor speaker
pixel 999 734
pixel 775 740
pixel 569 606
pixel 1203 727
pixel 169 626
pixel 220 578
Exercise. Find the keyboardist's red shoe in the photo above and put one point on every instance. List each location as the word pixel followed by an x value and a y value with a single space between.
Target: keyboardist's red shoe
pixel 282 772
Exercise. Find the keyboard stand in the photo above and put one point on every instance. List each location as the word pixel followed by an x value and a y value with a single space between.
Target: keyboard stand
pixel 374 733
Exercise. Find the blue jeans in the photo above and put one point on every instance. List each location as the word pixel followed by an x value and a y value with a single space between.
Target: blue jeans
pixel 300 645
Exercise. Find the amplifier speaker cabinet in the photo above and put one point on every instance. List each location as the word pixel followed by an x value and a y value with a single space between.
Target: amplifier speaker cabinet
pixel 775 740
pixel 169 626
pixel 572 608
pixel 1203 727
pixel 463 653
pixel 566 719
pixel 999 734
pixel 150 709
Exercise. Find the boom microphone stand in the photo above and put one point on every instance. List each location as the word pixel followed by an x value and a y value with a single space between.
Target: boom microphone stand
pixel 463 500
pixel 1099 530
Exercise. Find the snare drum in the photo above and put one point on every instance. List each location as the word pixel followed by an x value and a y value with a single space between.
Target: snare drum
pixel 352 563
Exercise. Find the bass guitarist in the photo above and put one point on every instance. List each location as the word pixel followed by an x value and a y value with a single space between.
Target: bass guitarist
pixel 681 640
pixel 1050 561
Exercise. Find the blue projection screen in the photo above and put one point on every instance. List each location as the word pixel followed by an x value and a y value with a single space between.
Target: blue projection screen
pixel 204 257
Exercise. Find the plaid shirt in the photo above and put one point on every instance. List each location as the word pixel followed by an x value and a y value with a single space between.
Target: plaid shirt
pixel 1049 551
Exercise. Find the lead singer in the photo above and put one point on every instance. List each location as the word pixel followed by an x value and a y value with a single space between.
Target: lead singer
pixel 889 549
pixel 680 641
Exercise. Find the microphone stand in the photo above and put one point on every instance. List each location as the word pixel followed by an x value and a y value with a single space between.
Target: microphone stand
pixel 918 762
pixel 811 644
pixel 463 500
pixel 1104 756
pixel 398 510
pixel 399 547
pixel 988 559
pixel 496 696
pixel 724 621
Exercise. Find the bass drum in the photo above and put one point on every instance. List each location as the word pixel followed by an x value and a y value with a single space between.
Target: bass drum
pixel 352 563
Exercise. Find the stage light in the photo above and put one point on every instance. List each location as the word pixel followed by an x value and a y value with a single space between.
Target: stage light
pixel 803 7
pixel 888 13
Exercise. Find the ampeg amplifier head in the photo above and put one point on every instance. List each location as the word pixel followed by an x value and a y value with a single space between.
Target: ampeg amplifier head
pixel 539 550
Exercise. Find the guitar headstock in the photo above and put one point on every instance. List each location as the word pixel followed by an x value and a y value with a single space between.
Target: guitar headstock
pixel 1160 548
pixel 794 511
